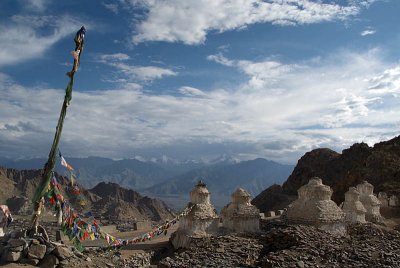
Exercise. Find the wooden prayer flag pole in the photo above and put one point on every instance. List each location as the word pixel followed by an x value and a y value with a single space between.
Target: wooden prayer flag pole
pixel 38 199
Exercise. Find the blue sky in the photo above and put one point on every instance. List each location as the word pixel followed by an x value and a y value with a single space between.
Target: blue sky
pixel 197 79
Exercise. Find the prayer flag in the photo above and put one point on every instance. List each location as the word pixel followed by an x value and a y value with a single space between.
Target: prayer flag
pixel 88 214
pixel 72 179
pixel 64 163
pixel 85 235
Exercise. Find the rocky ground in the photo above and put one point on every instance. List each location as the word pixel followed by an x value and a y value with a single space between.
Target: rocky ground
pixel 222 251
pixel 277 245
pixel 282 245
pixel 366 245
pixel 19 252
pixel 17 249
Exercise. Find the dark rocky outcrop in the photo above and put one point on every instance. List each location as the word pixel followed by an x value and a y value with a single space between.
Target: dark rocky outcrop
pixel 273 198
pixel 120 203
pixel 379 165
pixel 109 189
pixel 19 205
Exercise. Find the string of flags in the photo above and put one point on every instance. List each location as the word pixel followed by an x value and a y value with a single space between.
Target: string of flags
pixel 77 229
pixel 74 187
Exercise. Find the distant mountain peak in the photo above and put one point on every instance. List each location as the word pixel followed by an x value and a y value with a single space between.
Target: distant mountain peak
pixel 224 159
pixel 224 178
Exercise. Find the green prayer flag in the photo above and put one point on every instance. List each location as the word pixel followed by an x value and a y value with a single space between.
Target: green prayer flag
pixel 64 227
pixel 78 245
pixel 68 90
pixel 50 193
pixel 81 233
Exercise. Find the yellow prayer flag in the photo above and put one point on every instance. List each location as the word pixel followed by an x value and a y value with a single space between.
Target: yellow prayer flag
pixel 72 180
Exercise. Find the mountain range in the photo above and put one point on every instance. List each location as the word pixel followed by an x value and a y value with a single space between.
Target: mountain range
pixel 105 200
pixel 169 179
pixel 130 173
pixel 222 180
pixel 137 173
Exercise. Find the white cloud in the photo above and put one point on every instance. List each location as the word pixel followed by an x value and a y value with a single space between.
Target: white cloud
pixel 114 57
pixel 131 72
pixel 364 3
pixel 386 83
pixel 334 102
pixel 368 32
pixel 146 72
pixel 191 91
pixel 219 58
pixel 261 73
pixel 22 41
pixel 35 5
pixel 112 7
pixel 189 21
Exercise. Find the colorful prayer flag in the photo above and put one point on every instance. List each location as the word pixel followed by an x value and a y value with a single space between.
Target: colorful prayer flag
pixel 64 163
pixel 88 214
pixel 72 179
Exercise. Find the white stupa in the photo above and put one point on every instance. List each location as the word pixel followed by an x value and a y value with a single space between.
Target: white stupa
pixel 370 202
pixel 201 221
pixel 353 208
pixel 315 207
pixel 240 215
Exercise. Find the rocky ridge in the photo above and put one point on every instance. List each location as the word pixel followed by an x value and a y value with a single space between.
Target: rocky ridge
pixel 379 165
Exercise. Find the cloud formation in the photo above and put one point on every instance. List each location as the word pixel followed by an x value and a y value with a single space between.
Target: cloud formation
pixel 331 102
pixel 112 7
pixel 35 5
pixel 132 72
pixel 369 31
pixel 261 73
pixel 23 40
pixel 189 21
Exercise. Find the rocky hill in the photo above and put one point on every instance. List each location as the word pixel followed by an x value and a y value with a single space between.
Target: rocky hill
pixel 107 200
pixel 120 203
pixel 379 165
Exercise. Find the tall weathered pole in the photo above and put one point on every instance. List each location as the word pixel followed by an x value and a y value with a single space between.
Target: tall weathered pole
pixel 38 199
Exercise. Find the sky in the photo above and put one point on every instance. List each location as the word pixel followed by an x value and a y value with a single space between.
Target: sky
pixel 195 79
